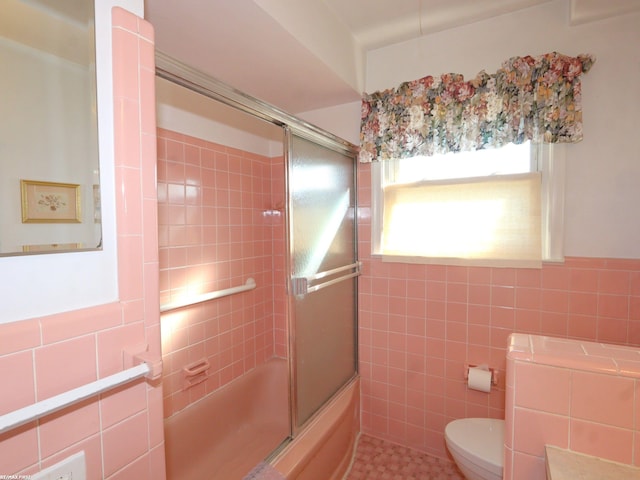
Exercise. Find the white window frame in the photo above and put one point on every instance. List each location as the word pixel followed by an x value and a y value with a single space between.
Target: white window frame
pixel 548 159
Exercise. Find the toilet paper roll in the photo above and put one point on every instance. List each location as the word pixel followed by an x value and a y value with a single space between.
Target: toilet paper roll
pixel 479 379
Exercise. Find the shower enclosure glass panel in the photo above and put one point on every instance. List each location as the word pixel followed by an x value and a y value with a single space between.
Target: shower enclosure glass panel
pixel 323 265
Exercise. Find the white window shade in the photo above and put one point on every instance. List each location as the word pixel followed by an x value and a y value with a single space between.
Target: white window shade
pixel 492 221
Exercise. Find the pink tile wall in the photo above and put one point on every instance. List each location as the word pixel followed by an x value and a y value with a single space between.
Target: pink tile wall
pixel 120 431
pixel 214 234
pixel 573 394
pixel 419 326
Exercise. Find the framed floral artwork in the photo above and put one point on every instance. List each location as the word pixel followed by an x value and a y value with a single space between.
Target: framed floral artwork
pixel 49 202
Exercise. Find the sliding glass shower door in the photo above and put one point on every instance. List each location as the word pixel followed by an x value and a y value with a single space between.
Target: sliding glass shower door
pixel 323 268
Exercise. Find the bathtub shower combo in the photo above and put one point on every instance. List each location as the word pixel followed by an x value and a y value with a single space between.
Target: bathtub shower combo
pixel 292 404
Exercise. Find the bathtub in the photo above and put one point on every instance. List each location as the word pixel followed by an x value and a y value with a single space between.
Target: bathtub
pixel 324 449
pixel 228 432
pixel 224 435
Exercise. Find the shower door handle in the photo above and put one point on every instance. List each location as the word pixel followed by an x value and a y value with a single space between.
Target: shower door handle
pixel 300 285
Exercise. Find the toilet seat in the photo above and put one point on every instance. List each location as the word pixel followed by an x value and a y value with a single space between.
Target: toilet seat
pixel 479 440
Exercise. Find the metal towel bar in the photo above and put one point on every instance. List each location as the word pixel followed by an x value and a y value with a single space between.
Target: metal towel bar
pixel 300 285
pixel 332 282
pixel 33 412
pixel 326 273
pixel 250 284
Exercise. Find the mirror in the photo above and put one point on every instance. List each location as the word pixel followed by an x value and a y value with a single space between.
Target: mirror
pixel 49 170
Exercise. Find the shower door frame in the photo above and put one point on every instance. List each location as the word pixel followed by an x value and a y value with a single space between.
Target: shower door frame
pixel 183 75
pixel 291 284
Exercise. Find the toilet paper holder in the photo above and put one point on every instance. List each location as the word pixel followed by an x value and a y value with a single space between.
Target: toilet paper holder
pixel 494 372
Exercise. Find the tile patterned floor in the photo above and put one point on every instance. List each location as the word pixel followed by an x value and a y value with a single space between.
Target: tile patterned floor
pixel 377 459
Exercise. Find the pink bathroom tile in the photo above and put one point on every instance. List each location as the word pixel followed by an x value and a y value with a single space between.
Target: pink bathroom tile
pixel 457 274
pixel 519 343
pixel 18 336
pixel 628 264
pixel 503 318
pixel 16 370
pixel 133 310
pixel 503 276
pixel 556 301
pixel 397 270
pixel 503 296
pixel 603 399
pixel 150 163
pixel 528 277
pixel 416 289
pixel 479 335
pixel 543 388
pixel 92 448
pixel 126 133
pixel 119 450
pixel 617 352
pixel 138 469
pixel 436 290
pixel 583 280
pixel 416 325
pixel 124 83
pixel 436 310
pixel 74 324
pixel 595 364
pixel 544 345
pixel 500 338
pixel 437 273
pixel 583 303
pixel 117 405
pixel 111 345
pixel 612 330
pixel 175 171
pixel 555 277
pixel 22 442
pixel 528 466
pixel 130 279
pixel 582 327
pixel 150 219
pixel 629 368
pixel 62 366
pixel 124 19
pixel 456 312
pixel 527 298
pixel 147 93
pixel 479 315
pixel 585 262
pixel 614 282
pixel 603 441
pixel 534 429
pixel 479 294
pixel 479 276
pixel 634 285
pixel 554 324
pixel 634 309
pixel 613 306
pixel 62 429
pixel 527 321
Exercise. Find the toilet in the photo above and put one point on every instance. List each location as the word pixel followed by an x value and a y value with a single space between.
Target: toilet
pixel 477 445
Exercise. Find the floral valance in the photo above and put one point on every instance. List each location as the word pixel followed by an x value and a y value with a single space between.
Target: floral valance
pixel 528 98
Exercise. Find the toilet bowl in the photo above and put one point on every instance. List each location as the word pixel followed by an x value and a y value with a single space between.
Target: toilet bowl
pixel 477 445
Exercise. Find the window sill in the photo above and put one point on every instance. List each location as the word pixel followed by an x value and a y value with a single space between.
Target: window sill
pixel 463 262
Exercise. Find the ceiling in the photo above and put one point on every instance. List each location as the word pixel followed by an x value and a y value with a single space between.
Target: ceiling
pixel 302 55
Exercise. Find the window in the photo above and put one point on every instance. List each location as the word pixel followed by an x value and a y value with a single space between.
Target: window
pixel 498 207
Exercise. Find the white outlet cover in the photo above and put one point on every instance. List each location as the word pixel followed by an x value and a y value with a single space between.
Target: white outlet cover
pixel 71 468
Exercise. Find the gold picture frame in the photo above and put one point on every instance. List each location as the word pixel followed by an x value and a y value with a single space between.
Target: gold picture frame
pixel 50 202
pixel 51 247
